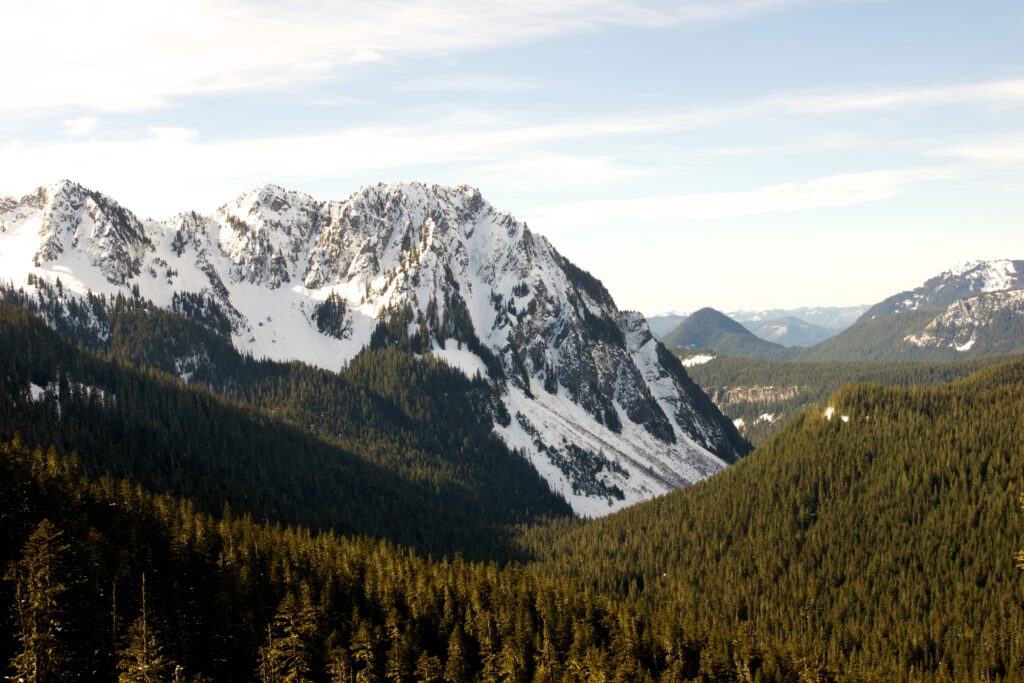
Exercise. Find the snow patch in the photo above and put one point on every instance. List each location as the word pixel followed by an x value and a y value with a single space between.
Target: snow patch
pixel 455 355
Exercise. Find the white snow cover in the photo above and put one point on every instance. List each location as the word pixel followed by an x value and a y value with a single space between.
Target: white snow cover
pixel 830 413
pixel 458 357
pixel 36 392
pixel 699 359
pixel 960 324
pixel 988 276
pixel 270 256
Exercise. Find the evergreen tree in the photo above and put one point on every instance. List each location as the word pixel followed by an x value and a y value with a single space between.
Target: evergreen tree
pixel 38 586
pixel 288 656
pixel 142 659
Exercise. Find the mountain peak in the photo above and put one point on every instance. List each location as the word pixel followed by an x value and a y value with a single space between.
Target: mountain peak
pixel 964 279
pixel 987 276
pixel 579 388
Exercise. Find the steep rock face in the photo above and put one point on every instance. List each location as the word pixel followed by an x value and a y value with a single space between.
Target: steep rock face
pixel 994 320
pixel 965 280
pixel 265 232
pixel 68 218
pixel 589 397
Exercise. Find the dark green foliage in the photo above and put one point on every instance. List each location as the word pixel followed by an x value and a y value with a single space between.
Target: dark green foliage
pixel 238 601
pixel 880 339
pixel 329 316
pixel 203 310
pixel 883 547
pixel 39 583
pixel 602 328
pixel 747 389
pixel 396 447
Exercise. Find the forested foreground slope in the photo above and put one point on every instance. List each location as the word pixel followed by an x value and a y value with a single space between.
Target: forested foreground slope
pixel 884 545
pixel 107 579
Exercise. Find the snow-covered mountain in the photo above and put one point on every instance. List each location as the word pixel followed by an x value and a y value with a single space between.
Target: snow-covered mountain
pixel 605 414
pixel 962 281
pixel 994 320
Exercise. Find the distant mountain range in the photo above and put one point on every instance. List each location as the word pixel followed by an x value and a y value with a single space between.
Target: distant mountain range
pixel 974 309
pixel 805 326
pixel 790 331
pixel 831 317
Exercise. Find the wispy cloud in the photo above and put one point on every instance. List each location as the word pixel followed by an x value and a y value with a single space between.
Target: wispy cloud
pixel 994 151
pixel 83 125
pixel 129 55
pixel 827 192
pixel 890 98
pixel 177 165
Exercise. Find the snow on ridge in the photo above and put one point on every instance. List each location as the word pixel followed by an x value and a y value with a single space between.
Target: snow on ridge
pixel 270 258
pixel 986 276
pixel 959 325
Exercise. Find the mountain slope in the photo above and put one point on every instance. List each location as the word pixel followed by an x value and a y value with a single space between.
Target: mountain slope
pixel 975 309
pixel 963 281
pixel 881 535
pixel 789 331
pixel 664 323
pixel 761 396
pixel 588 400
pixel 414 464
pixel 710 329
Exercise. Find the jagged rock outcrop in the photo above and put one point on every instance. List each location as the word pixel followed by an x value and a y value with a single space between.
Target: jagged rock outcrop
pixel 592 400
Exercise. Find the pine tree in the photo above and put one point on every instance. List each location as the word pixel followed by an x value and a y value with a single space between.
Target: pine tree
pixel 288 655
pixel 456 668
pixel 142 660
pixel 38 586
pixel 428 669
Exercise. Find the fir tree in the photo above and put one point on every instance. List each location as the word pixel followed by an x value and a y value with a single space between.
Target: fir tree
pixel 288 655
pixel 142 660
pixel 38 586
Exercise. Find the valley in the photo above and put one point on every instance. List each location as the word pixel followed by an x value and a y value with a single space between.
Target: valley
pixel 394 470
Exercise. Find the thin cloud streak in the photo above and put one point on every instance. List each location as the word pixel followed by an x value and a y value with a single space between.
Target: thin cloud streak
pixel 998 151
pixel 175 164
pixel 827 192
pixel 123 55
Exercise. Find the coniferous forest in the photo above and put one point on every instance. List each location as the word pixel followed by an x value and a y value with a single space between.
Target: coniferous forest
pixel 276 522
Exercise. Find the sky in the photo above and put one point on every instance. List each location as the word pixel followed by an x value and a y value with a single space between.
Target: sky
pixel 740 154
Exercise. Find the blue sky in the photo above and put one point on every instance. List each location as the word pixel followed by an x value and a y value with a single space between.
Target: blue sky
pixel 732 153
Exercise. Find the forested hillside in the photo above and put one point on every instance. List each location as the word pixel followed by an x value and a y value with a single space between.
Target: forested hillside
pixel 393 448
pixel 107 579
pixel 290 523
pixel 882 540
pixel 762 395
